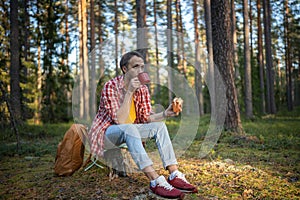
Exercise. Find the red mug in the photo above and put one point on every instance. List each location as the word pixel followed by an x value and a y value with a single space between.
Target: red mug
pixel 144 78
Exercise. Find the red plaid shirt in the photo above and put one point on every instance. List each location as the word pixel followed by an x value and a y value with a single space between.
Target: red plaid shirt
pixel 112 97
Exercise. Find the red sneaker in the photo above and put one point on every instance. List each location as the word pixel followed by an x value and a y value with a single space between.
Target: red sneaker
pixel 164 189
pixel 182 184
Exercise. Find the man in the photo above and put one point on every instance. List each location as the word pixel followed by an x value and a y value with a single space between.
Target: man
pixel 125 116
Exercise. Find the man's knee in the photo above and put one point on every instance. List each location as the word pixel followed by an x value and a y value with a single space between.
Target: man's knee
pixel 159 125
pixel 132 131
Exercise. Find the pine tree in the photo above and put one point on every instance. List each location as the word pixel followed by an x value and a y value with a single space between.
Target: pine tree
pixel 223 58
pixel 269 59
pixel 15 93
pixel 247 63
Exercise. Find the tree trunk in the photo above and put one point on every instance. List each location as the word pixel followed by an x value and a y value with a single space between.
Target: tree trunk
pixel 100 33
pixel 123 30
pixel 141 28
pixel 269 60
pixel 170 49
pixel 15 89
pixel 38 97
pixel 260 58
pixel 177 21
pixel 93 60
pixel 116 36
pixel 288 62
pixel 67 52
pixel 84 72
pixel 251 29
pixel 27 35
pixel 247 64
pixel 157 92
pixel 198 78
pixel 26 53
pixel 223 58
pixel 234 38
pixel 187 104
pixel 211 71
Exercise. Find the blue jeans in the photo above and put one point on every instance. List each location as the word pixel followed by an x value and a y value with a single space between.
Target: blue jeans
pixel 132 135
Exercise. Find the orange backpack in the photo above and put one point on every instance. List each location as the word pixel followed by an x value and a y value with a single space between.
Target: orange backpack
pixel 70 151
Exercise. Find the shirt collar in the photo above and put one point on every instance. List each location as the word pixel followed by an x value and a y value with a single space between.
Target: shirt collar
pixel 121 82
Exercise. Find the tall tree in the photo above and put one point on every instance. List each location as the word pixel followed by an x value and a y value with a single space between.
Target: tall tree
pixel 141 28
pixel 234 39
pixel 178 30
pixel 271 107
pixel 223 58
pixel 170 49
pixel 251 28
pixel 181 47
pixel 198 78
pixel 288 63
pixel 211 70
pixel 260 58
pixel 101 34
pixel 247 63
pixel 93 59
pixel 116 29
pixel 26 34
pixel 15 93
pixel 158 88
pixel 83 61
pixel 38 97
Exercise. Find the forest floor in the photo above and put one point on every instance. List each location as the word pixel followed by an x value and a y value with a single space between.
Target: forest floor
pixel 263 164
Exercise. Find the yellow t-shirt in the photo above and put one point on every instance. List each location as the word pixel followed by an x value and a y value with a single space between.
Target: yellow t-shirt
pixel 132 114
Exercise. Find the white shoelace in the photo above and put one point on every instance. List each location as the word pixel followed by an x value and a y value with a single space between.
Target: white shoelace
pixel 166 185
pixel 182 177
pixel 162 182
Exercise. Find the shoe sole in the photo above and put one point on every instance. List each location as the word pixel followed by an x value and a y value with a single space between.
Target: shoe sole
pixel 165 198
pixel 188 191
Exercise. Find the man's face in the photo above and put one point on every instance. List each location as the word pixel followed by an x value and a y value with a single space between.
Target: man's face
pixel 135 66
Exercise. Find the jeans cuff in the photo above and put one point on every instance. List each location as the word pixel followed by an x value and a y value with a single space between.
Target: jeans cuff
pixel 169 162
pixel 144 165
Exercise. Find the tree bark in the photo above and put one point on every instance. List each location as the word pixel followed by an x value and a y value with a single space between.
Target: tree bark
pixel 211 70
pixel 234 38
pixel 187 104
pixel 170 49
pixel 251 29
pixel 93 60
pixel 84 70
pixel 141 28
pixel 178 53
pixel 260 58
pixel 157 92
pixel 288 63
pixel 100 33
pixel 198 78
pixel 223 58
pixel 15 89
pixel 116 36
pixel 247 64
pixel 269 60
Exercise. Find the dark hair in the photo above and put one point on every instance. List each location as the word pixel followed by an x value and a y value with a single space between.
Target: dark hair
pixel 127 56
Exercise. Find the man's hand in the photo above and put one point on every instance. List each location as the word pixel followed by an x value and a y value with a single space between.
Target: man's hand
pixel 170 113
pixel 134 84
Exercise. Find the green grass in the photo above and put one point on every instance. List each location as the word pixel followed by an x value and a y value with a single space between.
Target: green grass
pixel 35 140
pixel 271 142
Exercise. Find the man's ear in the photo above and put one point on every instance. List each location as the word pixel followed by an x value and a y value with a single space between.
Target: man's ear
pixel 124 69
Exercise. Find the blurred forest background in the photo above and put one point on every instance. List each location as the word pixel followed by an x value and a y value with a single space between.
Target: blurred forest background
pixel 255 44
pixel 55 54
